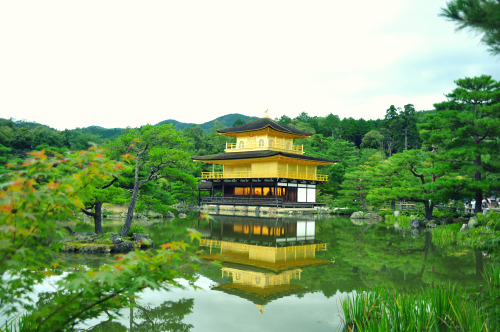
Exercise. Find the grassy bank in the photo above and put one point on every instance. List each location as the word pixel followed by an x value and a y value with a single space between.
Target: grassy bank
pixel 441 308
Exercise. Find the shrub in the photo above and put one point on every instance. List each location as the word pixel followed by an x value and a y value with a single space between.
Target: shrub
pixel 384 213
pixel 135 228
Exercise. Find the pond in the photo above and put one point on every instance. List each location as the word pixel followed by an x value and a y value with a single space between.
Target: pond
pixel 285 273
pixel 288 273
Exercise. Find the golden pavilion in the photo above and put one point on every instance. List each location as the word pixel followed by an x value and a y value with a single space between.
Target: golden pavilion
pixel 263 168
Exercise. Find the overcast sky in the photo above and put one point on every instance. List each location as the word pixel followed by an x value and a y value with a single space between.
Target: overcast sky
pixel 73 64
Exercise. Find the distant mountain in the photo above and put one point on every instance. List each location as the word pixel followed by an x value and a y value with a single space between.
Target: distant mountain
pixel 101 132
pixel 178 125
pixel 224 121
pixel 21 124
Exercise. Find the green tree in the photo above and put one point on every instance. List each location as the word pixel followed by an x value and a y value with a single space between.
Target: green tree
pixel 284 120
pixel 481 16
pixel 353 130
pixel 416 176
pixel 156 152
pixel 390 128
pixel 409 137
pixel 238 122
pixel 329 126
pixel 5 155
pixel 101 194
pixel 166 317
pixel 35 199
pixel 358 182
pixel 372 140
pixel 465 130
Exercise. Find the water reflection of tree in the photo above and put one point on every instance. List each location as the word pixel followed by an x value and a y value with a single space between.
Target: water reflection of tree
pixel 166 317
pixel 372 255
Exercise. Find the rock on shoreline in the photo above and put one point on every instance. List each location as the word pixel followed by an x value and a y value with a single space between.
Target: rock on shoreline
pixel 91 243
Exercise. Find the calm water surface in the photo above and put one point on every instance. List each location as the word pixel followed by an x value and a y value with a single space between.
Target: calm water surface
pixel 289 274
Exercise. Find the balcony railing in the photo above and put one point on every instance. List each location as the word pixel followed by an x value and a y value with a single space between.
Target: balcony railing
pixel 263 174
pixel 234 147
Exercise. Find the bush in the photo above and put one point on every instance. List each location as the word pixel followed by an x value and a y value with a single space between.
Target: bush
pixel 135 228
pixel 384 213
pixel 488 241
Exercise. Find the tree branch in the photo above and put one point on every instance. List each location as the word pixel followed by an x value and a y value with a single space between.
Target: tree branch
pixel 88 213
pixel 421 176
pixel 110 183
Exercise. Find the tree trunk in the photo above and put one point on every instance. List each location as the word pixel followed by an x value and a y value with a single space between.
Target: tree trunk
pixel 98 218
pixel 428 210
pixel 479 192
pixel 406 138
pixel 96 215
pixel 130 212
pixel 428 242
pixel 366 207
pixel 131 207
pixel 97 207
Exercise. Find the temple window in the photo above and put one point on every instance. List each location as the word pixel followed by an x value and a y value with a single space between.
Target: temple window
pixel 271 142
pixel 242 144
pixel 261 142
pixel 242 191
pixel 287 145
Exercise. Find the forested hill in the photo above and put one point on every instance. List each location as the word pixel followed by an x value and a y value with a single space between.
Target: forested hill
pixel 224 121
pixel 19 137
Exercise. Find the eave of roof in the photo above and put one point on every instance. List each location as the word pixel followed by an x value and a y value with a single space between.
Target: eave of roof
pixel 259 154
pixel 263 123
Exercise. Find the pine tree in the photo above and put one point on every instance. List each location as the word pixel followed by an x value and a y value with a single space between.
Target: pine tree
pixel 482 16
pixel 465 131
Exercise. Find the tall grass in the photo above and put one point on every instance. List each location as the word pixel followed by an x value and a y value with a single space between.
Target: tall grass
pixel 450 234
pixel 434 309
pixel 403 221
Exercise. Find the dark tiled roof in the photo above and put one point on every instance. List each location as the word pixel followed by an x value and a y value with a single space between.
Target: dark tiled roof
pixel 258 154
pixel 261 124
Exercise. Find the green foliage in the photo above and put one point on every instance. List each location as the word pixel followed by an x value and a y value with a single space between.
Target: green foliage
pixel 450 234
pixel 154 153
pixel 22 137
pixel 481 16
pixel 224 121
pixel 399 129
pixel 384 213
pixel 358 183
pixel 372 140
pixel 464 132
pixel 34 199
pixel 434 308
pixel 166 317
pixel 135 228
pixel 401 220
pixel 489 239
pixel 416 176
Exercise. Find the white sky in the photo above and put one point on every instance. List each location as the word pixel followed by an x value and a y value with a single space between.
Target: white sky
pixel 71 64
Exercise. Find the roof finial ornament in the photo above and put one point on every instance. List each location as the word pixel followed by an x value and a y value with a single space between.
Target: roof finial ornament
pixel 265 114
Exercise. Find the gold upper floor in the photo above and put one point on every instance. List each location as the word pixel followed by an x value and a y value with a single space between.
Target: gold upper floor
pixel 255 168
pixel 264 141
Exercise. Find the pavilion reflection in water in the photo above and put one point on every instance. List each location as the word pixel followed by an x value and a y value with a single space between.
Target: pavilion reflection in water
pixel 261 256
